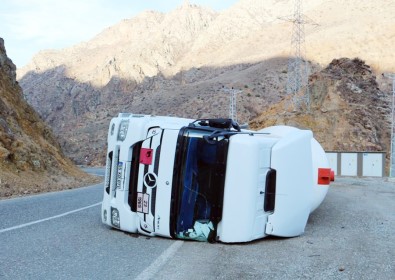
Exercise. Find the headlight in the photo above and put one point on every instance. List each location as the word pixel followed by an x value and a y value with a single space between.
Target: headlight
pixel 115 219
pixel 123 130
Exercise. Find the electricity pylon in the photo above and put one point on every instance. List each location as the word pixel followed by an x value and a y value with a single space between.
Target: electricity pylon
pixel 298 67
pixel 232 102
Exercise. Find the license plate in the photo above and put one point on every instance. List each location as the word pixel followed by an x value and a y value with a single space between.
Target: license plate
pixel 119 174
pixel 142 203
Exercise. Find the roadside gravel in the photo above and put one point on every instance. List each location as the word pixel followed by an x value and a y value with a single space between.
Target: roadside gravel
pixel 350 236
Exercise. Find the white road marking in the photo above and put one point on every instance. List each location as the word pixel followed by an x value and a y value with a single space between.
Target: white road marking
pixel 150 271
pixel 49 218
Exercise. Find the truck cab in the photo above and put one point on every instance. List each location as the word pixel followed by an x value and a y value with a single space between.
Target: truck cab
pixel 209 180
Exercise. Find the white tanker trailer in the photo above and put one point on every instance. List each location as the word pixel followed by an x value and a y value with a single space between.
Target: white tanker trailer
pixel 208 180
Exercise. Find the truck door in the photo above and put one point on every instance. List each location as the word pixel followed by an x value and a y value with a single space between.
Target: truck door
pixel 292 160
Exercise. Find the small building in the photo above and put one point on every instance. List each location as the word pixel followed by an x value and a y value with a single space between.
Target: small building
pixel 361 164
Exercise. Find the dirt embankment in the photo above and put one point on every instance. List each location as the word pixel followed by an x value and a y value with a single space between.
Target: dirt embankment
pixel 31 160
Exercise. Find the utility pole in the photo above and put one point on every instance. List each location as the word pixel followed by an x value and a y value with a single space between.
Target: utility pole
pixel 392 152
pixel 298 67
pixel 232 102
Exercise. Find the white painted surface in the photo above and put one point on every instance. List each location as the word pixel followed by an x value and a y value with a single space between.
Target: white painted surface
pixel 292 158
pixel 332 159
pixel 372 165
pixel 349 164
pixel 320 160
pixel 287 150
pixel 240 214
pixel 49 218
pixel 153 269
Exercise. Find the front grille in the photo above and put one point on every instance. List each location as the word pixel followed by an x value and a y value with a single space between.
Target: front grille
pixel 108 172
pixel 114 167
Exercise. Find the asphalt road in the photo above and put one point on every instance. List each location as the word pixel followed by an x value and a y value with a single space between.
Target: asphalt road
pixel 60 236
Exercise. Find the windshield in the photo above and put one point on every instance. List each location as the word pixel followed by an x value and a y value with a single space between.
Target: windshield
pixel 199 185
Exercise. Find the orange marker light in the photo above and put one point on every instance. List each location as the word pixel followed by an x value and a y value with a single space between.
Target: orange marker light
pixel 324 176
pixel 332 176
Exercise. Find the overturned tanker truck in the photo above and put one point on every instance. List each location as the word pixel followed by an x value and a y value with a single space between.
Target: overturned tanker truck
pixel 209 180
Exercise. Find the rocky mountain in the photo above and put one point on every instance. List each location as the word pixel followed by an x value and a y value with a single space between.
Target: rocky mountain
pixel 348 111
pixel 31 159
pixel 182 62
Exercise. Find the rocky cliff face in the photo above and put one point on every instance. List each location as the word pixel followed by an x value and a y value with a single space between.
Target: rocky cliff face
pixel 180 63
pixel 30 157
pixel 348 110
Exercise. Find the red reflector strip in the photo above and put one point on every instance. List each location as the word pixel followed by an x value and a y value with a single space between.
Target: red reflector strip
pixel 146 156
pixel 324 176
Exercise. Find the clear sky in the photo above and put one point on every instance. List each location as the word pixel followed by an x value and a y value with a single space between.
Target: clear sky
pixel 28 26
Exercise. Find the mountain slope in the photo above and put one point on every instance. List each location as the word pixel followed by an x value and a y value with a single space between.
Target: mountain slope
pixel 180 63
pixel 30 157
pixel 348 111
